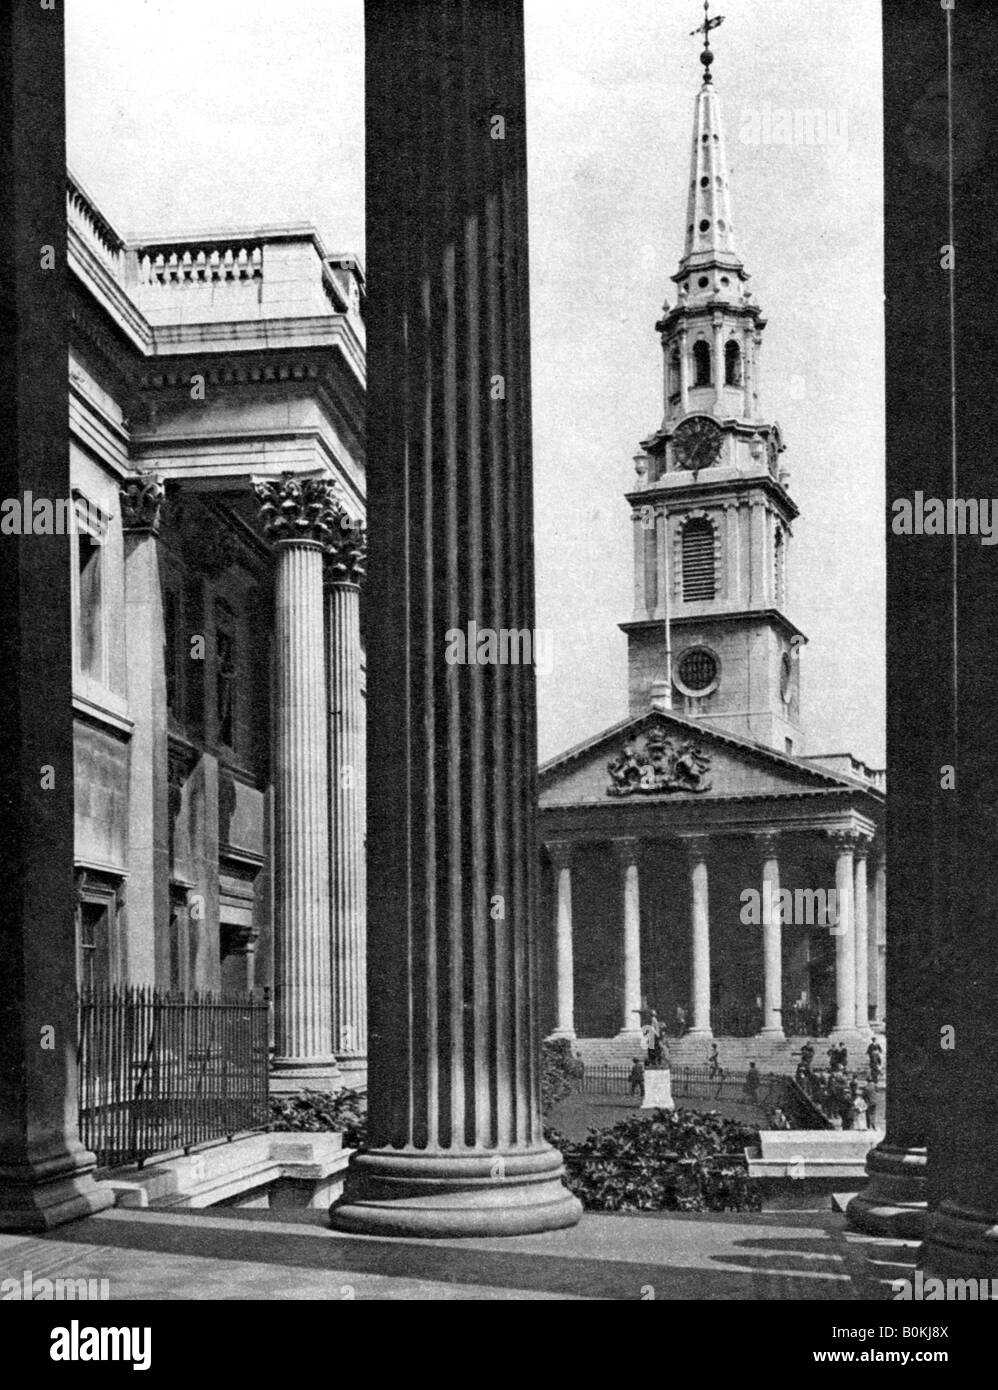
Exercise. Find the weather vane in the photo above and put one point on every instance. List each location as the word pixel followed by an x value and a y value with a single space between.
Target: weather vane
pixel 706 57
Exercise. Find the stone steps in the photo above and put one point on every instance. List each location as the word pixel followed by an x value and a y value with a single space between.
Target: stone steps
pixel 769 1054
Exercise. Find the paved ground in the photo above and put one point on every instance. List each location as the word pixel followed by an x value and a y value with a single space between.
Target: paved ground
pixel 232 1255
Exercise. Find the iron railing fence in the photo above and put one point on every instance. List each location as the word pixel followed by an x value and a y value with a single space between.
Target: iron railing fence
pixel 159 1072
pixel 688 1083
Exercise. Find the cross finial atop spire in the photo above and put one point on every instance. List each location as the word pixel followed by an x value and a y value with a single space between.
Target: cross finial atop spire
pixel 707 57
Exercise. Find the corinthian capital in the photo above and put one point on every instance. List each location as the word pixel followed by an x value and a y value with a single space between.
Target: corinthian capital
pixel 299 509
pixel 141 500
pixel 346 553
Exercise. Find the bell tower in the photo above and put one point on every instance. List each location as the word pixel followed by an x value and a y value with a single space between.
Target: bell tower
pixel 709 636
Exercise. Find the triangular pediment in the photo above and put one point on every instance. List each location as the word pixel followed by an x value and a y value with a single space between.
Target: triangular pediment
pixel 662 756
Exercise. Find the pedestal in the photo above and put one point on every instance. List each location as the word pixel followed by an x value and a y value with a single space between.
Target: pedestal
pixel 658 1089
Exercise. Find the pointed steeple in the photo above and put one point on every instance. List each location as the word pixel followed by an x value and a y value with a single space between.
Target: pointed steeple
pixel 709 230
pixel 711 512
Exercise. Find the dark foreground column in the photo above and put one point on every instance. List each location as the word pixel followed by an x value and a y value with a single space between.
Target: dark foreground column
pixel 46 1176
pixel 456 1143
pixel 962 1233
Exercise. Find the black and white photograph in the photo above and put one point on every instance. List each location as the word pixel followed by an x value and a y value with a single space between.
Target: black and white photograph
pixel 498 666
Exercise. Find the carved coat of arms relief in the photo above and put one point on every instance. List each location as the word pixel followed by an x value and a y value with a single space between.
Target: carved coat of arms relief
pixel 655 762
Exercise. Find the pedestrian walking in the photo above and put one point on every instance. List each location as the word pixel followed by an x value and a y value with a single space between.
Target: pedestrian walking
pixel 637 1078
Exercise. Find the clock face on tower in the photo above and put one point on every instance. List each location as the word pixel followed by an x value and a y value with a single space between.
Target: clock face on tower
pixel 697 443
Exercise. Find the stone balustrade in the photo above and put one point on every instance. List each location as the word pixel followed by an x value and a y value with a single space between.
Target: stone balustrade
pixel 200 263
pixel 83 215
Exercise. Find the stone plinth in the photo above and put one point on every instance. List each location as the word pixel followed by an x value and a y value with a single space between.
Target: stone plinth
pixel 658 1089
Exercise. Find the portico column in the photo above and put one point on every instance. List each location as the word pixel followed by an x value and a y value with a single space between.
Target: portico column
pixel 627 857
pixel 862 930
pixel 300 516
pixel 46 1175
pixel 696 848
pixel 560 854
pixel 844 933
pixel 772 947
pixel 455 1135
pixel 878 939
pixel 345 560
pixel 148 784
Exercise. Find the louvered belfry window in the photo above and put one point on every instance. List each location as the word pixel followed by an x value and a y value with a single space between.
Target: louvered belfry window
pixel 699 580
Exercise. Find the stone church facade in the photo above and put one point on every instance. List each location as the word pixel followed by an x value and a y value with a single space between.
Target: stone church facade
pixel 669 837
pixel 217 468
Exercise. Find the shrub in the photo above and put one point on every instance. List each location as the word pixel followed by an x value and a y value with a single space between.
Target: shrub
pixel 663 1161
pixel 343 1112
pixel 559 1068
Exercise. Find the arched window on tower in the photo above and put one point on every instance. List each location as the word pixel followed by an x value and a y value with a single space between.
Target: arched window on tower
pixel 674 374
pixel 699 578
pixel 779 567
pixel 701 363
pixel 732 364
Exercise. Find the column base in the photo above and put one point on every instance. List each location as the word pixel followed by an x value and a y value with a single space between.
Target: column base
pixel 420 1193
pixel 37 1196
pixel 706 1033
pixel 776 1033
pixel 567 1033
pixel 354 1071
pixel 633 1037
pixel 894 1200
pixel 291 1074
pixel 960 1243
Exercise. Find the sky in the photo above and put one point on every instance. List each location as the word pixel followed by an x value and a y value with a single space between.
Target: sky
pixel 187 114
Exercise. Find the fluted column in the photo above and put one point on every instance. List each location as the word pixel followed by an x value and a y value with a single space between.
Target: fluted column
pixel 560 854
pixel 696 848
pixel 844 933
pixel 46 1175
pixel 456 1144
pixel 878 929
pixel 345 560
pixel 626 852
pixel 142 500
pixel 300 517
pixel 772 946
pixel 862 931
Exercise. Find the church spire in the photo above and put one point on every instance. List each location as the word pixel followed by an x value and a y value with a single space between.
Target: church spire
pixel 709 232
